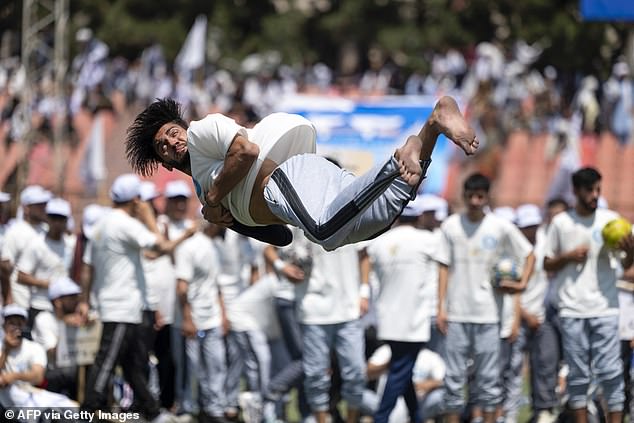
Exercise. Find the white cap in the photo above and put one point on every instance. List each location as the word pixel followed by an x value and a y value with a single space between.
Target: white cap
pixel 62 286
pixel 92 214
pixel 149 191
pixel 14 310
pixel 125 188
pixel 58 206
pixel 506 213
pixel 436 204
pixel 414 208
pixel 34 194
pixel 620 69
pixel 177 189
pixel 4 197
pixel 528 215
pixel 83 34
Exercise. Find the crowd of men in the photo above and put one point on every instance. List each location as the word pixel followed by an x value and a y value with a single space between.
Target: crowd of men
pixel 412 325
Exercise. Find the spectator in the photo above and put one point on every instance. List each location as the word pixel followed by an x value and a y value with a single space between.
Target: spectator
pixel 22 366
pixel 402 260
pixel 64 296
pixel 467 301
pixel 586 275
pixel 21 236
pixel 114 257
pixel 203 321
pixel 161 302
pixel 330 303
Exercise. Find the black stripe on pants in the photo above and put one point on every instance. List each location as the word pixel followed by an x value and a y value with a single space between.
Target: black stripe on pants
pixel 121 343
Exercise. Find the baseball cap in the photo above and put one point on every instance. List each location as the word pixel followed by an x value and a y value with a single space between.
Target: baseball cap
pixel 125 188
pixel 528 215
pixel 59 207
pixel 505 212
pixel 62 286
pixel 149 191
pixel 4 197
pixel 177 189
pixel 14 310
pixel 92 214
pixel 83 34
pixel 34 194
pixel 438 205
pixel 414 208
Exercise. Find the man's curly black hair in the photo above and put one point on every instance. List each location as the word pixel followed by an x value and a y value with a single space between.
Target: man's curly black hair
pixel 139 144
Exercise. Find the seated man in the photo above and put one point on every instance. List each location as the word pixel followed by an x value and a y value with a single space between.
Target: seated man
pixel 269 175
pixel 22 366
pixel 64 295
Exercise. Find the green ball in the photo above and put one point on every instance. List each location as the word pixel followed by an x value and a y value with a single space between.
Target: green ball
pixel 615 230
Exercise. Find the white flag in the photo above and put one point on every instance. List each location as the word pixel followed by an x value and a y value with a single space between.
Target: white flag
pixel 93 168
pixel 192 53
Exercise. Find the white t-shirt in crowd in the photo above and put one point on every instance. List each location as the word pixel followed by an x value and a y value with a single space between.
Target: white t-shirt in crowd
pixel 21 359
pixel 253 309
pixel 534 296
pixel 237 257
pixel 300 249
pixel 471 249
pixel 402 259
pixel 431 284
pixel 46 330
pixel 198 265
pixel 587 289
pixel 168 303
pixel 279 136
pixel 18 238
pixel 115 256
pixel 46 259
pixel 331 294
pixel 626 310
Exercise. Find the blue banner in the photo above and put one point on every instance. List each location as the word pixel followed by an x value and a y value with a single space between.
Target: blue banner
pixel 376 127
pixel 607 10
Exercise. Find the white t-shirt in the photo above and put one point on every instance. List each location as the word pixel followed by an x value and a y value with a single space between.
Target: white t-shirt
pixel 331 294
pixel 198 265
pixel 626 310
pixel 402 259
pixel 278 135
pixel 115 255
pixel 534 296
pixel 253 309
pixel 46 330
pixel 298 252
pixel 471 249
pixel 45 259
pixel 168 303
pixel 584 289
pixel 21 359
pixel 236 256
pixel 18 238
pixel 431 278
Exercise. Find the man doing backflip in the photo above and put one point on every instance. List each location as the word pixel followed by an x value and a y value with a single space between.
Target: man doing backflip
pixel 257 180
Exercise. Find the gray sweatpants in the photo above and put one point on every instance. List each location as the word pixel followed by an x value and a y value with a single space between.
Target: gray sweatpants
pixel 480 342
pixel 591 346
pixel 333 206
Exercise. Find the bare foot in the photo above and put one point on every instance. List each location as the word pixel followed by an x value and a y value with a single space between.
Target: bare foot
pixel 408 158
pixel 448 120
